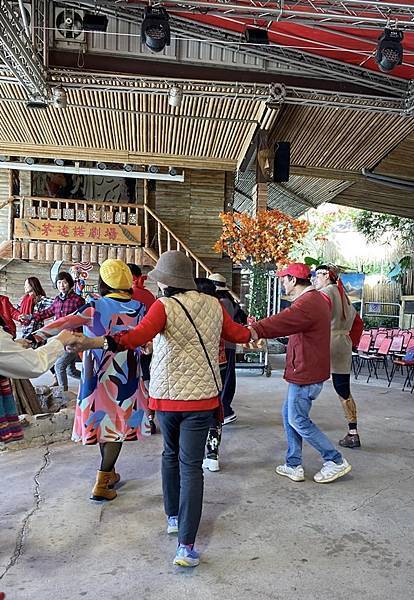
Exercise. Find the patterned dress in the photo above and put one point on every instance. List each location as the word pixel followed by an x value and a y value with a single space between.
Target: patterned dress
pixel 112 402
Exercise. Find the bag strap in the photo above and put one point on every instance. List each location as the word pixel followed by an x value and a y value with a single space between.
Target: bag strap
pixel 189 317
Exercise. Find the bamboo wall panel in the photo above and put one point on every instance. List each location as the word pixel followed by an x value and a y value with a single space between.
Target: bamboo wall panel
pixel 191 209
pixel 4 212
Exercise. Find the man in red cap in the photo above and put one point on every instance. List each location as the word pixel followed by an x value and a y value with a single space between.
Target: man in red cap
pixel 307 322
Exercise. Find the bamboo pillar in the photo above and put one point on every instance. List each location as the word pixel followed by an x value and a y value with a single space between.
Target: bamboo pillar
pixel 130 255
pixel 94 254
pixel 32 250
pixel 25 250
pixel 41 251
pixel 49 252
pixel 86 253
pixel 121 253
pixel 57 252
pixel 76 253
pixel 102 254
pixel 112 252
pixel 17 249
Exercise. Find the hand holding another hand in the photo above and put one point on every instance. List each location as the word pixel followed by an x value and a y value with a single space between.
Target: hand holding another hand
pixel 24 343
pixel 253 333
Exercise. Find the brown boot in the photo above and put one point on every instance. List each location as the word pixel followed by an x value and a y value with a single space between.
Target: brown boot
pixel 101 490
pixel 351 440
pixel 114 478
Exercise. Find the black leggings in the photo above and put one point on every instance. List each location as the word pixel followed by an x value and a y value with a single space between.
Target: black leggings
pixel 109 453
pixel 341 383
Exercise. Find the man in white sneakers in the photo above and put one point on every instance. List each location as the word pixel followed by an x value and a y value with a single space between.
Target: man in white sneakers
pixel 307 322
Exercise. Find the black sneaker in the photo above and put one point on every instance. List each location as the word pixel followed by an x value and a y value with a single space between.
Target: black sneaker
pixel 351 440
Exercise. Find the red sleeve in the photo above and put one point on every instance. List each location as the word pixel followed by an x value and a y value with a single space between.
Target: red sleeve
pixel 13 311
pixel 232 331
pixel 153 322
pixel 291 320
pixel 327 298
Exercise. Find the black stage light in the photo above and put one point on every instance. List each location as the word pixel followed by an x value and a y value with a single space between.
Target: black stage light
pixel 256 36
pixel 93 22
pixel 389 52
pixel 155 28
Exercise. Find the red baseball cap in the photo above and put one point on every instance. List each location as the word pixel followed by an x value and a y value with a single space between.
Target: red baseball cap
pixel 299 270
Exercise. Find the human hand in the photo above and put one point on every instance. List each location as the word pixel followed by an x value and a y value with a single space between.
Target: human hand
pixel 253 334
pixel 25 319
pixel 24 343
pixel 81 343
pixel 147 349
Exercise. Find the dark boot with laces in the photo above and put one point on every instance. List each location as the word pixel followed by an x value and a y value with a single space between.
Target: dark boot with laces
pixel 351 440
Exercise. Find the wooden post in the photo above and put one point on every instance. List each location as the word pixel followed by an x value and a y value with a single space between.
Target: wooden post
pixel 121 253
pixel 25 250
pixel 10 224
pixel 130 255
pixel 17 249
pixel 57 252
pixel 76 253
pixel 102 254
pixel 146 230
pixel 41 251
pixel 260 197
pixel 86 253
pixel 94 253
pixel 32 250
pixel 112 252
pixel 49 252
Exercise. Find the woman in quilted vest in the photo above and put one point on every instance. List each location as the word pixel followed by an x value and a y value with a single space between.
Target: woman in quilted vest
pixel 186 326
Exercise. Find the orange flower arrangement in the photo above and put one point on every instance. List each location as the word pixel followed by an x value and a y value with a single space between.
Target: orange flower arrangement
pixel 267 238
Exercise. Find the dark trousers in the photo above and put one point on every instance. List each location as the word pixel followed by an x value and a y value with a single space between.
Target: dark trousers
pixel 228 380
pixel 184 436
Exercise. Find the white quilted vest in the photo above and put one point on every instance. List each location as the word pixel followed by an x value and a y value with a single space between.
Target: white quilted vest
pixel 179 367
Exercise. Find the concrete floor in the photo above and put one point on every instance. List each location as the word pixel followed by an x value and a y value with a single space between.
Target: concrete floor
pixel 261 536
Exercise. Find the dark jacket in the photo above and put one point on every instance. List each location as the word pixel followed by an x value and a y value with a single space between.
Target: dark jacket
pixel 307 322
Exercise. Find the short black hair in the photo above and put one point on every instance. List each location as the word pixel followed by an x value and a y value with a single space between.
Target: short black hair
pixel 135 270
pixel 332 277
pixel 104 289
pixel 65 276
pixel 173 291
pixel 205 286
pixel 299 280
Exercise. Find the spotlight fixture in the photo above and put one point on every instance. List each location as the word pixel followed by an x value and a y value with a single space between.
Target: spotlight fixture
pixel 172 171
pixel 175 96
pixel 155 28
pixel 389 51
pixel 36 102
pixel 101 166
pixel 59 162
pixel 93 22
pixel 59 97
pixel 128 168
pixel 277 95
pixel 153 169
pixel 29 160
pixel 256 36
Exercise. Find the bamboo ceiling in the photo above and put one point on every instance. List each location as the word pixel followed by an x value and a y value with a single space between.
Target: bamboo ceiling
pixel 211 128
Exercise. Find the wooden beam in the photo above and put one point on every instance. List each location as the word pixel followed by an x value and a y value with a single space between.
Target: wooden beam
pixel 117 156
pixel 321 173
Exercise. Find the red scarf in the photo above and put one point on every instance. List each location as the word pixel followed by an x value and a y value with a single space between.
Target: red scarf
pixel 27 304
pixel 341 289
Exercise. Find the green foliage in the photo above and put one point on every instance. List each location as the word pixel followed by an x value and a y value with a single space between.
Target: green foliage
pixel 372 322
pixel 375 225
pixel 258 293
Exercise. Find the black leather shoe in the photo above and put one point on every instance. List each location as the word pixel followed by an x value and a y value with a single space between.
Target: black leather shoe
pixel 351 440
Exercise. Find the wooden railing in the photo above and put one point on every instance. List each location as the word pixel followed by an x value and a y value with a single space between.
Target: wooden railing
pixel 158 237
pixel 165 239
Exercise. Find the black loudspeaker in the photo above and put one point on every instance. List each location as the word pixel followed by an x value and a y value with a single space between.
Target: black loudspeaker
pixel 282 162
pixel 256 36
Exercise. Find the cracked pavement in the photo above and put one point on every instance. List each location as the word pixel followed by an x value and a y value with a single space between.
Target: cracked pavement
pixel 261 536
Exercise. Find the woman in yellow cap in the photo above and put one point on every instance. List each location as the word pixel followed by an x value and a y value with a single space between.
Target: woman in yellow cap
pixel 111 401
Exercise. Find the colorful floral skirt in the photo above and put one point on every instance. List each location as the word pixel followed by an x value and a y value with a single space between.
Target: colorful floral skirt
pixel 10 428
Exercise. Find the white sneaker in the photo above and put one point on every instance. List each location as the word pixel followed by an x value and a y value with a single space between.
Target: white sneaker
pixel 331 471
pixel 294 473
pixel 212 464
pixel 230 419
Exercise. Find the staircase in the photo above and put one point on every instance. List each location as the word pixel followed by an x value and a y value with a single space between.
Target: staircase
pixel 164 239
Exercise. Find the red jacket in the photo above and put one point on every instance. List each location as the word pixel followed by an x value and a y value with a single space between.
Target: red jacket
pixel 140 293
pixel 307 322
pixel 8 312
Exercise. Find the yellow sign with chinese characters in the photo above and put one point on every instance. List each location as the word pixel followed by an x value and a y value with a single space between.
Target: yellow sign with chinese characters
pixel 70 231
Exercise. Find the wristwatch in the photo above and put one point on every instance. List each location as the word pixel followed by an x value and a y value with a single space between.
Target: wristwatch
pixel 105 345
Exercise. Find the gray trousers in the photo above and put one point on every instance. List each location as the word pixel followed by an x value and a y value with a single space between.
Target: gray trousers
pixel 64 365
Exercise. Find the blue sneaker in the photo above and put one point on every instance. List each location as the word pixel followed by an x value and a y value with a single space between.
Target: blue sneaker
pixel 172 524
pixel 186 556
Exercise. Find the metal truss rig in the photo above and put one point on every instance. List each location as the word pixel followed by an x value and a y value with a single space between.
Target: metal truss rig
pixel 17 52
pixel 352 13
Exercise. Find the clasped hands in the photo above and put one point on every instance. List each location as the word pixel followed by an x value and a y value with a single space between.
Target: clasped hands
pixel 255 342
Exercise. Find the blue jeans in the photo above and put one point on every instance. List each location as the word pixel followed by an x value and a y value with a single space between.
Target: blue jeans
pixel 299 427
pixel 184 436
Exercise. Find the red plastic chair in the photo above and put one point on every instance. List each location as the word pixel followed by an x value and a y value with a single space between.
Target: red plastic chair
pixel 373 360
pixel 397 344
pixel 400 362
pixel 407 335
pixel 362 350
